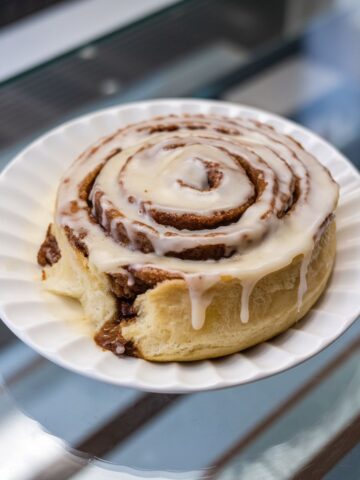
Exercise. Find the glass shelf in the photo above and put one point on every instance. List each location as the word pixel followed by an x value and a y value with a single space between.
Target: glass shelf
pixel 297 58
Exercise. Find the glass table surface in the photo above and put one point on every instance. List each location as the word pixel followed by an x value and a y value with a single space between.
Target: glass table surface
pixel 297 58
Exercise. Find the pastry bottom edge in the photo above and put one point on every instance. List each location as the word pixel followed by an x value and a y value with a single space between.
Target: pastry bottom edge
pixel 160 330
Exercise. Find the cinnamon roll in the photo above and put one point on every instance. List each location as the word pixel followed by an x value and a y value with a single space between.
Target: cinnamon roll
pixel 191 237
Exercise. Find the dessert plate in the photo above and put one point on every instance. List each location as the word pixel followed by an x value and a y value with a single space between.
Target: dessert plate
pixel 54 326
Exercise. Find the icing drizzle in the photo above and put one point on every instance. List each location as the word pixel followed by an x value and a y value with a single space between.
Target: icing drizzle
pixel 201 197
pixel 247 288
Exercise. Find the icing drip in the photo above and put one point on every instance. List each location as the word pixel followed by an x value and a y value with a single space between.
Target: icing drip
pixel 200 297
pixel 247 288
pixel 130 279
pixel 200 198
pixel 120 350
pixel 303 282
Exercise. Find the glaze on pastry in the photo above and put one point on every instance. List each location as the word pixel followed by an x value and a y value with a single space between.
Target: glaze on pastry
pixel 192 237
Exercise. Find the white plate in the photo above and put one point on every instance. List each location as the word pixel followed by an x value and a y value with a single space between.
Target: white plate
pixel 46 322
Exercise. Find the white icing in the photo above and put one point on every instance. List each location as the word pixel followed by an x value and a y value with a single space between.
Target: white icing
pixel 130 279
pixel 247 288
pixel 158 180
pixel 120 349
pixel 200 297
pixel 176 180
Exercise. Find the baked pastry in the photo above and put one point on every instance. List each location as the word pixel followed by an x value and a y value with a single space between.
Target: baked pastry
pixel 191 237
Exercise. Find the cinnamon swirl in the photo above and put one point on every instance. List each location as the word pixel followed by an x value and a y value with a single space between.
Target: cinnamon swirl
pixel 191 237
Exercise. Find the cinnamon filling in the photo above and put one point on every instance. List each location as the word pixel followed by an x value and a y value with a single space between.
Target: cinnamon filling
pixel 109 335
pixel 76 240
pixel 49 252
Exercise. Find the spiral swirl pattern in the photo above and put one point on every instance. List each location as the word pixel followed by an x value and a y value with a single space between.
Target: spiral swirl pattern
pixel 199 198
pixel 172 192
pixel 189 187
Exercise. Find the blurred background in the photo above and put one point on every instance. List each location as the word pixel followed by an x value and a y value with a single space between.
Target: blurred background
pixel 63 58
